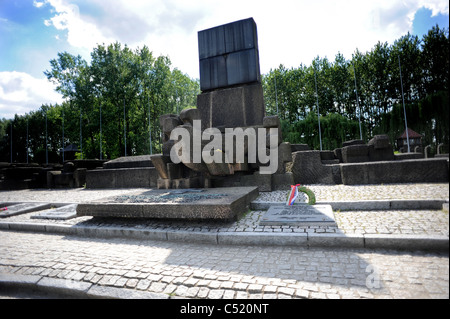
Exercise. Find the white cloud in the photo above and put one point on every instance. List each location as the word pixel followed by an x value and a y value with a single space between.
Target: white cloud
pixel 38 4
pixel 21 93
pixel 436 6
pixel 80 32
pixel 290 31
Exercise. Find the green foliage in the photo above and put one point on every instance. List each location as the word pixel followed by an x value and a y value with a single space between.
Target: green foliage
pixel 374 77
pixel 335 130
pixel 129 89
pixel 308 192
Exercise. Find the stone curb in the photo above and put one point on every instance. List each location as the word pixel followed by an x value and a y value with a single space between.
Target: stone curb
pixel 306 240
pixel 72 288
pixel 396 204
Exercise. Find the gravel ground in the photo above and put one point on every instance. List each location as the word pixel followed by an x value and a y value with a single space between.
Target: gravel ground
pixel 324 193
pixel 430 222
pixel 330 193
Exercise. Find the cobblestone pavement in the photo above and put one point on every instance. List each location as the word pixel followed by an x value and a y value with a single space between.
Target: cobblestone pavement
pixel 212 271
pixel 324 193
pixel 410 222
pixel 192 270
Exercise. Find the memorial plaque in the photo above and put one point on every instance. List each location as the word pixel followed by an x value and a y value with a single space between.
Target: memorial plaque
pixel 22 208
pixel 61 213
pixel 299 215
pixel 209 203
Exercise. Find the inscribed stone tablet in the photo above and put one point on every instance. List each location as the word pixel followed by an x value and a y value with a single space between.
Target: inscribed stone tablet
pixel 299 215
pixel 62 213
pixel 23 208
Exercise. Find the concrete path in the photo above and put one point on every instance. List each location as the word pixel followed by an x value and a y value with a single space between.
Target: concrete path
pixel 155 269
pixel 373 252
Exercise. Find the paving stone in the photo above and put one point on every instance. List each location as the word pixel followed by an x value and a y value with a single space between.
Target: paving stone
pixel 404 274
pixel 22 208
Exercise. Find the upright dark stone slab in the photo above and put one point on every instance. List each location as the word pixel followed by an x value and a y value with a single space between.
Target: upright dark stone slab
pixel 230 79
pixel 229 55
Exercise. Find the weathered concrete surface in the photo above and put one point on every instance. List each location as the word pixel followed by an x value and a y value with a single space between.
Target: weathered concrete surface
pixel 407 171
pixel 122 178
pixel 212 203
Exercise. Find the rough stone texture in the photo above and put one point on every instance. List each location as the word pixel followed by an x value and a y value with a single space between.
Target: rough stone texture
pixel 284 156
pixel 299 147
pixel 122 178
pixel 160 163
pixel 50 178
pixel 79 177
pixel 189 115
pixel 22 208
pixel 129 162
pixel 355 153
pixel 380 154
pixel 170 123
pixel 282 181
pixel 338 154
pixel 62 213
pixel 232 107
pixel 185 269
pixel 167 146
pixel 380 142
pixel 407 171
pixel 262 181
pixel 352 142
pixel 271 121
pixel 307 168
pixel 380 149
pixel 327 155
pixel 63 180
pixel 228 55
pixel 162 119
pixel 299 215
pixel 217 203
pixel 408 156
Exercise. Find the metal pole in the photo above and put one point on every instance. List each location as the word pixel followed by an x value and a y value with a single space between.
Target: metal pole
pixel 101 131
pixel 27 140
pixel 81 133
pixel 11 140
pixel 176 100
pixel 62 142
pixel 276 95
pixel 149 127
pixel 357 103
pixel 46 139
pixel 403 99
pixel 318 113
pixel 124 127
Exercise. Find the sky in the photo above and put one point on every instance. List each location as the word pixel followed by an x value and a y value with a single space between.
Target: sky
pixel 290 32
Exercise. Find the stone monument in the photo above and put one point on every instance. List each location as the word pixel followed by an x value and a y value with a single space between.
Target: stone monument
pixel 230 78
pixel 231 98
